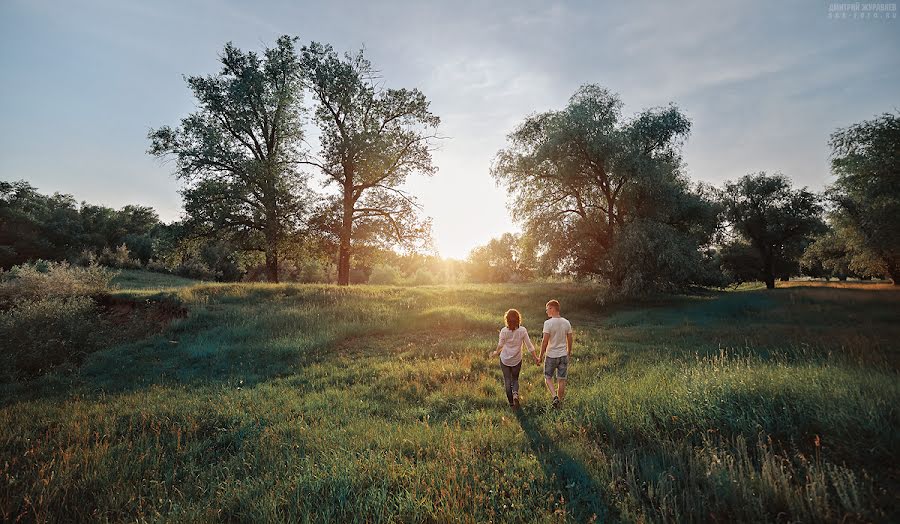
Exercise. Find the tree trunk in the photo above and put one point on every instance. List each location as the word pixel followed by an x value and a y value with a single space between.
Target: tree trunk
pixel 271 256
pixel 768 269
pixel 893 270
pixel 344 249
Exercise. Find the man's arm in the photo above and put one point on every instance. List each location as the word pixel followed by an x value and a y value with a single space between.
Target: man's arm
pixel 544 344
pixel 569 339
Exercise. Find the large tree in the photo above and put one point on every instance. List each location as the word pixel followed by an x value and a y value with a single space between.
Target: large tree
pixel 775 219
pixel 372 139
pixel 237 153
pixel 605 196
pixel 866 194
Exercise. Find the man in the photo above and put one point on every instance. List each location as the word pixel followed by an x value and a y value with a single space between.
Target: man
pixel 557 345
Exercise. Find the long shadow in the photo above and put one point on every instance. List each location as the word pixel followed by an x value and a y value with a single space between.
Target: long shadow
pixel 583 496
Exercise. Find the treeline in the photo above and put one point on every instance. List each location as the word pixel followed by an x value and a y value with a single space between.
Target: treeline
pixel 36 226
pixel 604 197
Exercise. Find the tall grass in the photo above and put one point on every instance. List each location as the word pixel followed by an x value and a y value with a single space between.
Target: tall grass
pixel 314 403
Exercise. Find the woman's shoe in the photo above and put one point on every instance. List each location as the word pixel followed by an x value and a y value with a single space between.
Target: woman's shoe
pixel 515 402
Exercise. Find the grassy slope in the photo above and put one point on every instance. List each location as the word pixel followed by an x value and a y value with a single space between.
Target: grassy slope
pixel 379 403
pixel 138 279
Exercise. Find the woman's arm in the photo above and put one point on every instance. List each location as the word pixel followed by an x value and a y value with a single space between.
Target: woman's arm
pixel 531 347
pixel 499 345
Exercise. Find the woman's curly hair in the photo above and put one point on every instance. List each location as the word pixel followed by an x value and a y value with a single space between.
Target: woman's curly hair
pixel 513 319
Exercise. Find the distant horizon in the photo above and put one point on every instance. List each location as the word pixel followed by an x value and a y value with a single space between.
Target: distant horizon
pixel 764 85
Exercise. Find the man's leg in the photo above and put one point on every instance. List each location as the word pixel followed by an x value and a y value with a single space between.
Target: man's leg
pixel 562 373
pixel 549 367
pixel 548 381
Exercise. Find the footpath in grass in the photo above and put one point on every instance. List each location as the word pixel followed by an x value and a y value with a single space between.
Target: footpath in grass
pixel 318 403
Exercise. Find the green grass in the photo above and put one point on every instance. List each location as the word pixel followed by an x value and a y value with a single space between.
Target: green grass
pixel 138 279
pixel 317 403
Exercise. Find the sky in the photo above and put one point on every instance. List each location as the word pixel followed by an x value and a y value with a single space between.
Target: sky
pixel 764 83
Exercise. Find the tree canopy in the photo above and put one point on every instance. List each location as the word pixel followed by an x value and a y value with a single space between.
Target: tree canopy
pixel 238 153
pixel 372 139
pixel 775 219
pixel 606 196
pixel 866 195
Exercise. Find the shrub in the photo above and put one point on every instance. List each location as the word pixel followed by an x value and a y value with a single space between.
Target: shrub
pixel 195 268
pixel 48 315
pixel 384 275
pixel 312 271
pixel 40 334
pixel 86 258
pixel 358 276
pixel 422 277
pixel 46 280
pixel 120 258
pixel 158 266
pixel 651 257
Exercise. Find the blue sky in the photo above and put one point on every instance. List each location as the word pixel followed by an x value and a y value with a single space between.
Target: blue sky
pixel 764 83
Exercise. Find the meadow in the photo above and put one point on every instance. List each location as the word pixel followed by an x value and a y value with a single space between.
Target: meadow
pixel 318 403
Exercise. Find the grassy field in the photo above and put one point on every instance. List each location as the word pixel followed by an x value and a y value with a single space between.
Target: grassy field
pixel 136 279
pixel 318 403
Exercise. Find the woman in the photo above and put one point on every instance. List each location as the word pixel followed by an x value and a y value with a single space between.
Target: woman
pixel 510 350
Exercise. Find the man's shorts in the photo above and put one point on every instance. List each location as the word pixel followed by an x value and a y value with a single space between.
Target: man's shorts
pixel 558 364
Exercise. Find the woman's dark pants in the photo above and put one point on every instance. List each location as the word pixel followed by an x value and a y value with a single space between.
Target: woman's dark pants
pixel 511 379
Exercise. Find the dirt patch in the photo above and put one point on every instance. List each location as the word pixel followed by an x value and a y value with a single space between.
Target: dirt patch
pixel 141 315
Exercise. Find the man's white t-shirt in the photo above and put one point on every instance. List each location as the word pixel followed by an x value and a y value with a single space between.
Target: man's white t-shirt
pixel 557 328
pixel 511 352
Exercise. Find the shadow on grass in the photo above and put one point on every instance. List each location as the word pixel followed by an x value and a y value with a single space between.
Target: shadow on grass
pixel 583 496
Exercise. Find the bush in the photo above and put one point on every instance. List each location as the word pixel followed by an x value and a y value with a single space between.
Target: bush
pixel 120 258
pixel 422 277
pixel 384 275
pixel 312 271
pixel 651 257
pixel 158 266
pixel 359 276
pixel 46 280
pixel 48 315
pixel 86 258
pixel 740 263
pixel 40 334
pixel 196 269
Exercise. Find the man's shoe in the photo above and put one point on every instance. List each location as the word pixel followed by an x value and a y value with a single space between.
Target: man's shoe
pixel 556 402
